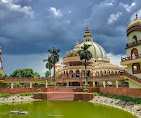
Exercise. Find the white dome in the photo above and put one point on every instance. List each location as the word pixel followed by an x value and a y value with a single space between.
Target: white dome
pixel 96 50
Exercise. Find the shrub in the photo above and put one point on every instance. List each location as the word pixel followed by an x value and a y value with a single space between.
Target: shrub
pixel 97 94
pixel 85 84
pixel 38 90
pixel 26 94
pixel 124 98
pixel 5 95
pixel 51 84
pixel 85 90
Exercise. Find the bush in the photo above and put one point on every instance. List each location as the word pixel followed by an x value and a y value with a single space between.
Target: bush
pixel 26 94
pixel 51 84
pixel 5 95
pixel 85 84
pixel 38 90
pixel 97 94
pixel 124 98
pixel 85 90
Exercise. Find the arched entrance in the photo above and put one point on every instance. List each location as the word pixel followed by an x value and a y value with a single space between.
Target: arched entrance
pixel 136 68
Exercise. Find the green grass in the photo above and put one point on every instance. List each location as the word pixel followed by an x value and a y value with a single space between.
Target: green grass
pixel 5 95
pixel 124 98
pixel 26 94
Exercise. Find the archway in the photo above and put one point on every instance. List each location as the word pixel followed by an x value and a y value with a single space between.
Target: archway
pixel 71 74
pixel 134 53
pixel 77 73
pixel 136 68
pixel 134 39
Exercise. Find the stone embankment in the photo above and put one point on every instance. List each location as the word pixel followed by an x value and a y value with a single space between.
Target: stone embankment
pixel 17 98
pixel 127 106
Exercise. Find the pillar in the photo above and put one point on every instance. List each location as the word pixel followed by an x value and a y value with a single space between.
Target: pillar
pixel 46 83
pixel 30 85
pixel 104 84
pixel 67 84
pixel 116 83
pixel 74 75
pixel 93 84
pixel 11 85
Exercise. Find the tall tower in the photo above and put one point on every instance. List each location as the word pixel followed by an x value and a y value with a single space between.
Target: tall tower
pixel 133 48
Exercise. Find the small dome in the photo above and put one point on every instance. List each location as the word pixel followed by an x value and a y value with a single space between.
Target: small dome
pixel 135 23
pixel 57 65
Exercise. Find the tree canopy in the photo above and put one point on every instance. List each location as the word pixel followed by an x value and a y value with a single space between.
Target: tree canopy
pixel 47 73
pixel 20 73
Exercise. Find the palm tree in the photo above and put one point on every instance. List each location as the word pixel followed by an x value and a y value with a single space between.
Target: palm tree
pixel 54 57
pixel 86 55
pixel 49 64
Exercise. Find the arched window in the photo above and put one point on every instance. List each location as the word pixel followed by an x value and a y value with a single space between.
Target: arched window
pixel 88 73
pixel 71 73
pixel 134 39
pixel 134 53
pixel 136 68
pixel 77 73
pixel 83 73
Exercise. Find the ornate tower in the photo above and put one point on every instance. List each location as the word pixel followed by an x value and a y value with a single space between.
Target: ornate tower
pixel 1 68
pixel 133 48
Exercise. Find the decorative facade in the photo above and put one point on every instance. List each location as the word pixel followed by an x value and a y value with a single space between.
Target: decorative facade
pixel 74 69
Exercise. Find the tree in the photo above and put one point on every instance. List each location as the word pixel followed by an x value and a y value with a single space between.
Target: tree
pixel 49 64
pixel 21 73
pixel 86 55
pixel 54 57
pixel 47 73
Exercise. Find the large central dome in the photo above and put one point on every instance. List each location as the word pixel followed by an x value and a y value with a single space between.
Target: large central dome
pixel 98 53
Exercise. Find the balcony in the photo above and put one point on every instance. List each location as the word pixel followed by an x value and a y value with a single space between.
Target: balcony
pixel 133 44
pixel 130 60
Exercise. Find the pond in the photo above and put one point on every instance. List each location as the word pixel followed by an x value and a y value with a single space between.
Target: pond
pixel 65 109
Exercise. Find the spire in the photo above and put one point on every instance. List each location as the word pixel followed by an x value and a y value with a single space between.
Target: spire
pixel 87 33
pixel 137 17
pixel 77 43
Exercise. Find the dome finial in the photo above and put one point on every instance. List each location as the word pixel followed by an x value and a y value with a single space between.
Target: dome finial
pixel 136 15
pixel 87 33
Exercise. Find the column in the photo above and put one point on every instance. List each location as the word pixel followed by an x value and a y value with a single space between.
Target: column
pixel 11 85
pixel 30 85
pixel 104 84
pixel 46 83
pixel 74 75
pixel 67 84
pixel 116 83
pixel 93 84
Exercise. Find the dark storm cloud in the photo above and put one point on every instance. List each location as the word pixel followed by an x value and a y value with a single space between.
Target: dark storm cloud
pixel 35 26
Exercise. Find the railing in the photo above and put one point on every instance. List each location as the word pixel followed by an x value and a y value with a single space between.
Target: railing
pixel 131 76
pixel 130 58
pixel 133 44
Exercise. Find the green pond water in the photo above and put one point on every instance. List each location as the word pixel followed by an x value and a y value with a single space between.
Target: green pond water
pixel 65 109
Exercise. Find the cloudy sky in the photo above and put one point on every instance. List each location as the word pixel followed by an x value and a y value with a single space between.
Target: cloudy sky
pixel 28 28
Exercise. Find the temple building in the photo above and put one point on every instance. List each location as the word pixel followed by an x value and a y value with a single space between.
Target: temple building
pixel 73 72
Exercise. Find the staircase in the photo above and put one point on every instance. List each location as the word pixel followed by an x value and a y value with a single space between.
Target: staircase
pixel 134 78
pixel 63 94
